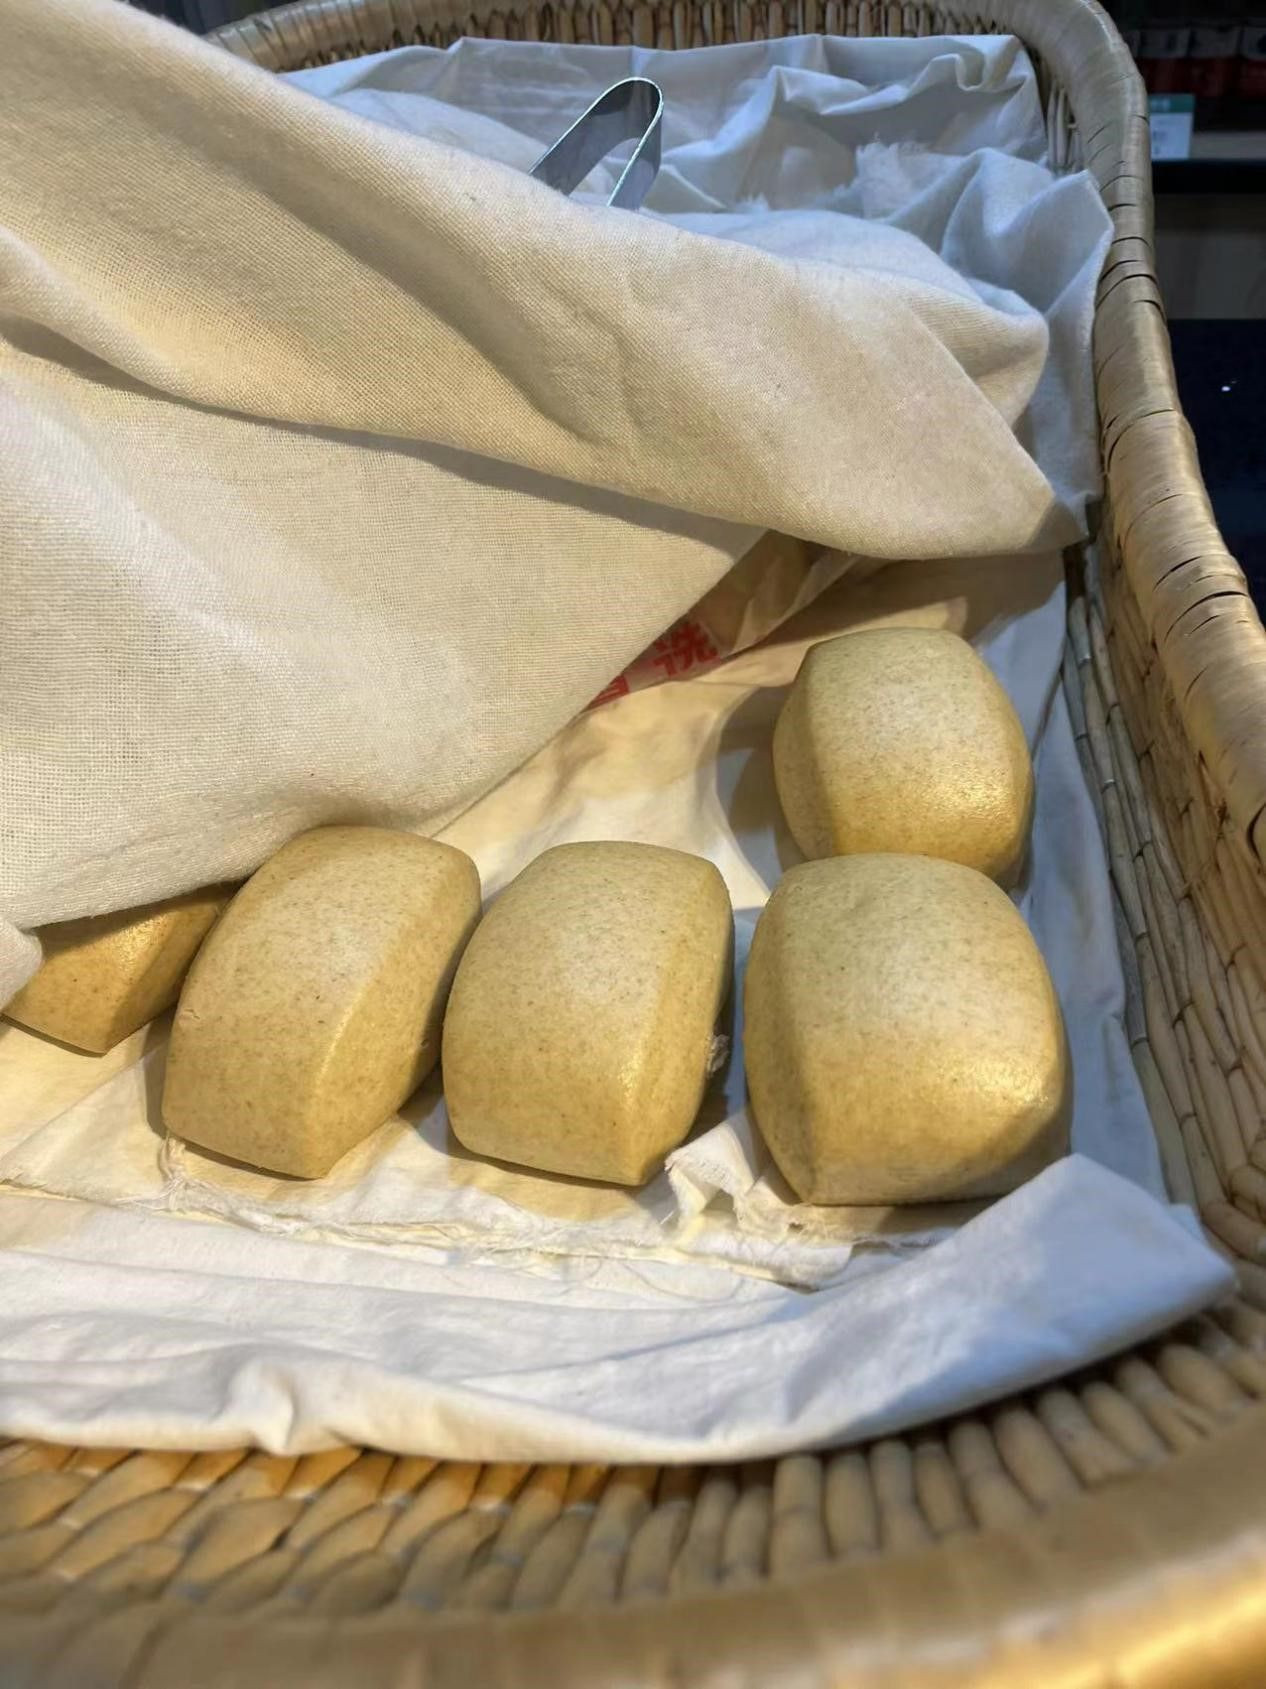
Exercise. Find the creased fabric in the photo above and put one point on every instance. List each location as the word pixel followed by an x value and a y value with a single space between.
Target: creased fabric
pixel 343 463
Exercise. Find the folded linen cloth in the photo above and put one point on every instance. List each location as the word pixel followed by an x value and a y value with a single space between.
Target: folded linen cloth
pixel 344 464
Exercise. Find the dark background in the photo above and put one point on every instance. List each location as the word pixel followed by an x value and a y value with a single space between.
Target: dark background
pixel 1222 382
pixel 1211 243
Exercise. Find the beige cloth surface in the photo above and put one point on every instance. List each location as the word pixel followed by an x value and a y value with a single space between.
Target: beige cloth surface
pixel 341 466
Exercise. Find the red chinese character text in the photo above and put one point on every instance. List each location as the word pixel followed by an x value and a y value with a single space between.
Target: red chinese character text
pixel 685 646
pixel 617 689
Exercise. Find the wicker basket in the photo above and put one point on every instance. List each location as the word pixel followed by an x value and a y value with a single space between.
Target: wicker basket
pixel 1110 1530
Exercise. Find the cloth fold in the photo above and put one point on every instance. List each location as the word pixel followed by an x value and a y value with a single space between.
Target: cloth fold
pixel 139 1333
pixel 343 464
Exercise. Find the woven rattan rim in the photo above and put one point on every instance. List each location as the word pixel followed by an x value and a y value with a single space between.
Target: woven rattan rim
pixel 1108 1530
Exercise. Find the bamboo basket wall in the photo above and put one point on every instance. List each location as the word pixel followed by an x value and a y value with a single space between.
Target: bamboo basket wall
pixel 1107 1530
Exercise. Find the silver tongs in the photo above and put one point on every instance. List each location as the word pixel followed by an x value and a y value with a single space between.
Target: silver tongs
pixel 629 110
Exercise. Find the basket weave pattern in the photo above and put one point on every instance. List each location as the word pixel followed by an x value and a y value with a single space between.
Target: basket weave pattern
pixel 1108 1530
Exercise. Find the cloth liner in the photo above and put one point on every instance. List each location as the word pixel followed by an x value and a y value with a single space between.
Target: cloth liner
pixel 419 1299
pixel 131 1330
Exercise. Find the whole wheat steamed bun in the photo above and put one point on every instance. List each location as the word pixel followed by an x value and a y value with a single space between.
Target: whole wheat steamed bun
pixel 581 1027
pixel 901 739
pixel 315 1007
pixel 103 976
pixel 902 1037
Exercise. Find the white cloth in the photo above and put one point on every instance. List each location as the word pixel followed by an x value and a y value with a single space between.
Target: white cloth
pixel 136 1330
pixel 420 1299
pixel 342 466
